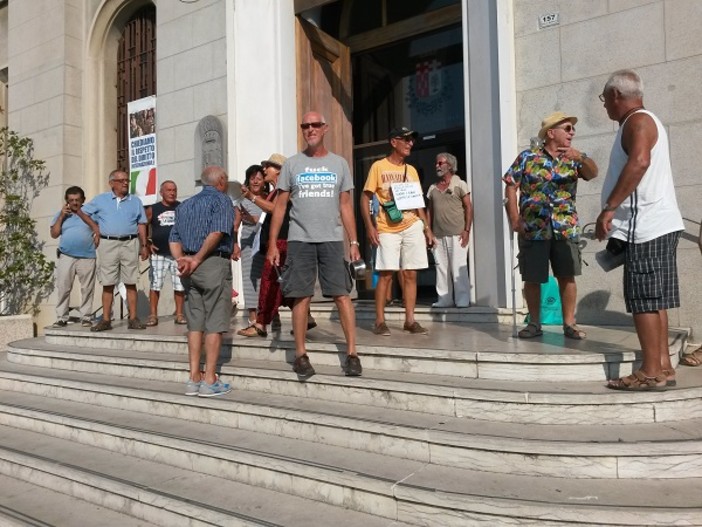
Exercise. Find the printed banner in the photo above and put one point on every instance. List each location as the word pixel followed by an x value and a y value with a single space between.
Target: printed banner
pixel 143 180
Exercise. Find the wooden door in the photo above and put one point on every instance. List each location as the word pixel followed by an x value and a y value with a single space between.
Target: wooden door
pixel 324 85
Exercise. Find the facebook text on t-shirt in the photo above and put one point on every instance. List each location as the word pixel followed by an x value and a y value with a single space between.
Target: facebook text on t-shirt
pixel 316 182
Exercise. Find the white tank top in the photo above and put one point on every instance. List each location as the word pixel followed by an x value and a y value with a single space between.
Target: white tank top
pixel 652 209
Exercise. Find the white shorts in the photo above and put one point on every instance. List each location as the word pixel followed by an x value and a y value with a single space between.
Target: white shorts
pixel 402 250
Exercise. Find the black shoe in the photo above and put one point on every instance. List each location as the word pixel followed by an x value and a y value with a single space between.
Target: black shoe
pixel 303 368
pixel 353 366
pixel 59 324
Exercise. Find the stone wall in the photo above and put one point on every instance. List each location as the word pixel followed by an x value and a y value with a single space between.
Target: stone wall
pixel 564 67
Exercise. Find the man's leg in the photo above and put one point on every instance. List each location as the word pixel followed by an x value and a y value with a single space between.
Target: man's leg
pixel 648 329
pixel 154 297
pixel 108 292
pixel 663 345
pixel 458 264
pixel 381 290
pixel 194 352
pixel 300 310
pixel 409 294
pixel 179 297
pixel 213 345
pixel 569 293
pixel 131 300
pixel 532 295
pixel 64 282
pixel 85 268
pixel 347 316
pixel 444 284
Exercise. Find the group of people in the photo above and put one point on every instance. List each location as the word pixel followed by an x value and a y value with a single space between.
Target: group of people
pixel 107 236
pixel 639 208
pixel 290 226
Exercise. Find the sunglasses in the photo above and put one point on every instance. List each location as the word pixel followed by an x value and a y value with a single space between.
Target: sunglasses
pixel 567 128
pixel 315 125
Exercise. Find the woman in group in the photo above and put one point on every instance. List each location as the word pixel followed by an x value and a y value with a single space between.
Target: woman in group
pixel 246 223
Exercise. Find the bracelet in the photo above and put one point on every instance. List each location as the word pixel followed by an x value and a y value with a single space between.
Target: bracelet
pixel 354 242
pixel 254 199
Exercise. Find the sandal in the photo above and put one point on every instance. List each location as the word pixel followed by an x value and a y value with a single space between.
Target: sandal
pixel 135 323
pixel 638 382
pixel 179 319
pixel 103 325
pixel 252 331
pixel 692 359
pixel 530 331
pixel 573 332
pixel 152 320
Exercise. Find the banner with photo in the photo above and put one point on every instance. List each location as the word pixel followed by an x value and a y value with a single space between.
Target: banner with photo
pixel 143 180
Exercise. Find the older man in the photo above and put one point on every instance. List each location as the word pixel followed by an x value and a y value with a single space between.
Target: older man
pixel 639 207
pixel 201 241
pixel 121 219
pixel 318 183
pixel 76 256
pixel 450 217
pixel 546 219
pixel 161 216
pixel 402 240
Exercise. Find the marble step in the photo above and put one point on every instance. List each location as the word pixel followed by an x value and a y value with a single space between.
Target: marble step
pixel 610 451
pixel 158 491
pixel 24 504
pixel 365 310
pixel 458 351
pixel 159 467
pixel 557 403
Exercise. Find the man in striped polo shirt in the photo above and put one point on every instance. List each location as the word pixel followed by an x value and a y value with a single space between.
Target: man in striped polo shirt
pixel 201 241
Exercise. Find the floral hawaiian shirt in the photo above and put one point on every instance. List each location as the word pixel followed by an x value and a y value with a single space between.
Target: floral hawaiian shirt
pixel 547 189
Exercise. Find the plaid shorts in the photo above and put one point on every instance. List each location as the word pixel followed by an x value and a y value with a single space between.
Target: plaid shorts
pixel 157 273
pixel 651 275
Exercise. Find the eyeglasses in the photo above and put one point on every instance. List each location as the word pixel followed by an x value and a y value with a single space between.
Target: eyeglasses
pixel 315 125
pixel 601 97
pixel 567 128
pixel 407 139
pixel 440 163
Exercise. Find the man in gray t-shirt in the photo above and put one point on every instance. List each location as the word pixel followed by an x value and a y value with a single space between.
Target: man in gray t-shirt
pixel 318 184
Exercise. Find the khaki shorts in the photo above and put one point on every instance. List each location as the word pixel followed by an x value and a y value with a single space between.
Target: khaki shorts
pixel 118 261
pixel 406 250
pixel 534 256
pixel 209 291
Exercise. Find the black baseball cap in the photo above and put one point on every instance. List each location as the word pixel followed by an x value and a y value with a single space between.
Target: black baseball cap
pixel 402 131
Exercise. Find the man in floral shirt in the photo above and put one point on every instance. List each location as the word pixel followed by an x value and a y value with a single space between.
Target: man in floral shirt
pixel 544 216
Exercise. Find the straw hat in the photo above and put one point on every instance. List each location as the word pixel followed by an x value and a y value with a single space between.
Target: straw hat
pixel 275 159
pixel 554 119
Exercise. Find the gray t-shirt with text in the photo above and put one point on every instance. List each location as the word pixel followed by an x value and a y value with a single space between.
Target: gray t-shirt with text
pixel 314 184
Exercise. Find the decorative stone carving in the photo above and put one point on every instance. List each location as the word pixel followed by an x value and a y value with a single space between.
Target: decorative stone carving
pixel 209 145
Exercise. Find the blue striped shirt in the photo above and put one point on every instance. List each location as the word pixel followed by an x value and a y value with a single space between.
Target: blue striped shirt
pixel 115 216
pixel 197 217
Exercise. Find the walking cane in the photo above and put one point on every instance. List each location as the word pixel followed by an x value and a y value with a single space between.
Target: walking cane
pixel 512 268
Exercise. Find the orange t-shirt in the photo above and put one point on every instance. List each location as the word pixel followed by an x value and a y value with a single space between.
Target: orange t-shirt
pixel 381 174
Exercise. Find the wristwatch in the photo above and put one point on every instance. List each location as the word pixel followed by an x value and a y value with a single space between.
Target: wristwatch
pixel 354 242
pixel 608 208
pixel 583 156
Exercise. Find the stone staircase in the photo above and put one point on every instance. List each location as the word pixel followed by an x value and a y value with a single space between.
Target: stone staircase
pixel 466 426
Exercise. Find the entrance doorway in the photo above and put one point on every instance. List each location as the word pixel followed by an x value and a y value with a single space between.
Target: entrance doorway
pixel 418 83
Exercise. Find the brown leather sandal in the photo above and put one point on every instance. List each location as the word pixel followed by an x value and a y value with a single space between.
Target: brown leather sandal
pixel 530 331
pixel 252 331
pixel 693 359
pixel 573 332
pixel 638 382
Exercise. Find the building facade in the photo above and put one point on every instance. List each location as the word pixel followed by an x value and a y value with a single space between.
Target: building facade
pixel 474 77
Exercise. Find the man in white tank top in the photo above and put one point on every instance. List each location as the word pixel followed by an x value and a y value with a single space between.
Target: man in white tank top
pixel 639 207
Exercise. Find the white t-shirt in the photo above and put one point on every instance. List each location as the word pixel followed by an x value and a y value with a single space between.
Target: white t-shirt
pixel 652 209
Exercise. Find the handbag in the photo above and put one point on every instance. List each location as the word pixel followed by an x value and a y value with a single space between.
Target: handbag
pixel 390 207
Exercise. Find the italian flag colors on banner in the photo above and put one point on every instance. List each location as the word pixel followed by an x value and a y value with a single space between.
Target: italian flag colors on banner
pixel 143 178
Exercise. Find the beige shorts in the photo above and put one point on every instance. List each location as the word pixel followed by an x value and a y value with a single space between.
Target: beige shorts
pixel 402 250
pixel 118 261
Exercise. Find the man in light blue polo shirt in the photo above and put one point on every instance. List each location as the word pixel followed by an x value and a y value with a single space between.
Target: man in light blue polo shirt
pixel 76 256
pixel 122 222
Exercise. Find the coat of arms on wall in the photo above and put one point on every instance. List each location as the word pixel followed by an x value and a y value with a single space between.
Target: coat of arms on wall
pixel 429 89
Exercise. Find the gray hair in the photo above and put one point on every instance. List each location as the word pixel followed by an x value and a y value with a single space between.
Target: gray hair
pixel 627 83
pixel 211 174
pixel 450 160
pixel 114 173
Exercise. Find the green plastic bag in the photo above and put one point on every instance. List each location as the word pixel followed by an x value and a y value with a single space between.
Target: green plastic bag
pixel 551 312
